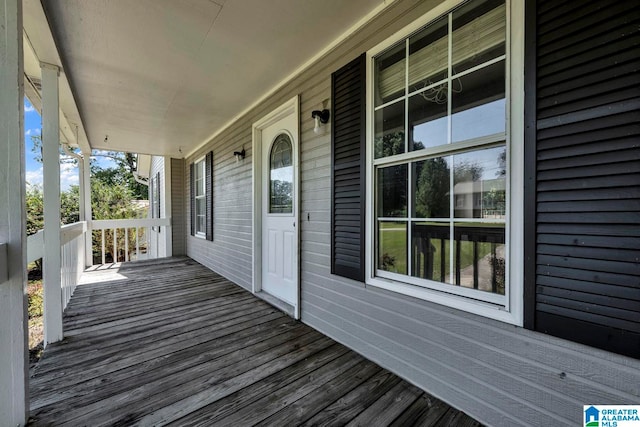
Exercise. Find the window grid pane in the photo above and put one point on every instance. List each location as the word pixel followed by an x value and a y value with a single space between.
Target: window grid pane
pixel 451 209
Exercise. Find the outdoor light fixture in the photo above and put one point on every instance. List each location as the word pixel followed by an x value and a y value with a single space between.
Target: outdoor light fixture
pixel 239 155
pixel 320 117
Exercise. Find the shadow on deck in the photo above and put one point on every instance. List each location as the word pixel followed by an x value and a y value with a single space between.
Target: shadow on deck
pixel 171 342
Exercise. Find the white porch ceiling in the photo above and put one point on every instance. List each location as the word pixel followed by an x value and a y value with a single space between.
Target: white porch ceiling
pixel 157 76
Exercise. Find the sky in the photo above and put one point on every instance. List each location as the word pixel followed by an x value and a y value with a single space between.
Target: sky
pixel 33 169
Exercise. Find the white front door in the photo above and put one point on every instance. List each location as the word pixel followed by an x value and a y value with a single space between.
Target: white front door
pixel 279 209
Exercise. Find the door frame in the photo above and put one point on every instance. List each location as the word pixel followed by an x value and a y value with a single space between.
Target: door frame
pixel 291 107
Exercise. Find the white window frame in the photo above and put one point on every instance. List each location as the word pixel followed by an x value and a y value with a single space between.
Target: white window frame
pixel 507 308
pixel 200 234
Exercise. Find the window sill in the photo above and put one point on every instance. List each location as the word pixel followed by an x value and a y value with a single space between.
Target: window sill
pixel 200 236
pixel 481 308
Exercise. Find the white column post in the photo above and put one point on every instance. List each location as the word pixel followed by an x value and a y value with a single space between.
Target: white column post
pixel 51 262
pixel 81 212
pixel 166 211
pixel 14 367
pixel 86 208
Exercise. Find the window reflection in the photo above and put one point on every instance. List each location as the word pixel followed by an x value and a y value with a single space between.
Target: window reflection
pixel 480 257
pixel 389 131
pixel 392 246
pixel 479 34
pixel 479 188
pixel 427 120
pixel 390 71
pixel 478 109
pixel 430 251
pixel 392 191
pixel 431 187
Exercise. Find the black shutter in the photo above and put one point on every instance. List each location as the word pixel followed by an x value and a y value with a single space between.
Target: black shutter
pixel 348 170
pixel 587 173
pixel 192 180
pixel 209 193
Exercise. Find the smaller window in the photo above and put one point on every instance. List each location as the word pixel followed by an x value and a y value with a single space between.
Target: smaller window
pixel 200 196
pixel 281 175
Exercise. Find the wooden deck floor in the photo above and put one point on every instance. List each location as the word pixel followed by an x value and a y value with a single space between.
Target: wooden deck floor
pixel 170 342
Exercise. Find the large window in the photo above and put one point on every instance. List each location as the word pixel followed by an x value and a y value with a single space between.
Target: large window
pixel 440 150
pixel 200 198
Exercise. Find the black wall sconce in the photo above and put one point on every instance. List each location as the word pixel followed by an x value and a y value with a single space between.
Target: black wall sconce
pixel 320 117
pixel 239 155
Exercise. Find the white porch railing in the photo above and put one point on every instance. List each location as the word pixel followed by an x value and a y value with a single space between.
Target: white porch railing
pixel 130 241
pixel 72 255
pixel 126 239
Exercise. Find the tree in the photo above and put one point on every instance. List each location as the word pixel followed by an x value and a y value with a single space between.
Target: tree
pixel 121 174
pixel 432 194
pixel 70 205
pixel 467 172
pixel 389 144
pixel 34 208
pixel 113 190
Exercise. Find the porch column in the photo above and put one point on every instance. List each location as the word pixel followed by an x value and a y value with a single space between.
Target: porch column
pixel 51 262
pixel 85 173
pixel 166 213
pixel 13 265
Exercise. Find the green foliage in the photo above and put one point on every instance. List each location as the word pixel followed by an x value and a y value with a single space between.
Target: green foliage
pixel 34 207
pixel 111 201
pixel 70 205
pixel 121 174
pixel 112 191
pixel 467 172
pixel 35 301
pixel 389 145
pixel 432 195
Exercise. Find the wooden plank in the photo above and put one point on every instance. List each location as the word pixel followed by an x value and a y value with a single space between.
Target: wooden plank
pixel 149 352
pixel 98 320
pixel 238 400
pixel 169 362
pixel 210 391
pixel 216 353
pixel 327 393
pixel 351 404
pixel 196 385
pixel 425 411
pixel 174 333
pixel 386 409
pixel 349 364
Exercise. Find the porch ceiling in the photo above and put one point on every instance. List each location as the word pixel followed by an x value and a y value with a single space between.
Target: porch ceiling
pixel 159 76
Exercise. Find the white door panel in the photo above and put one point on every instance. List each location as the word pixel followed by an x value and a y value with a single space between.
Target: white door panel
pixel 279 209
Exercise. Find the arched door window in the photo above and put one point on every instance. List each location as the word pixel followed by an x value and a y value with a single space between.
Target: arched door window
pixel 281 175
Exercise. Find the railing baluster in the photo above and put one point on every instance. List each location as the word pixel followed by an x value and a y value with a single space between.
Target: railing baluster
pixel 143 238
pixel 103 240
pixel 126 244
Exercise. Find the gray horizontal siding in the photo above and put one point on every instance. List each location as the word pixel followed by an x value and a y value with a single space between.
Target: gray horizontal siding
pixel 229 253
pixel 498 373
